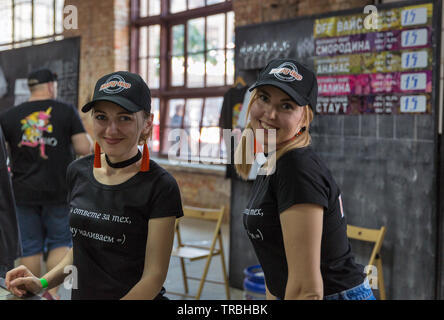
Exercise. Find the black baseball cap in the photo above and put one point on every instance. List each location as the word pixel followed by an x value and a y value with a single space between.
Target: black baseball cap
pixel 124 88
pixel 41 76
pixel 292 77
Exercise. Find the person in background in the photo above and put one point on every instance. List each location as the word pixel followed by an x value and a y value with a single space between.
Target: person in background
pixel 176 119
pixel 10 246
pixel 42 134
pixel 123 205
pixel 295 218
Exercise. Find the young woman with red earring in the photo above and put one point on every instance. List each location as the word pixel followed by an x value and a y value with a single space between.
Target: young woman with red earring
pixel 123 205
pixel 300 235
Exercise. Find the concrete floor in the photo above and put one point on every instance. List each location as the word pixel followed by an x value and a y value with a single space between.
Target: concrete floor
pixel 199 232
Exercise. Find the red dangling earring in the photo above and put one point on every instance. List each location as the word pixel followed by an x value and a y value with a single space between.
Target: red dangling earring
pixel 97 160
pixel 257 147
pixel 145 159
pixel 300 132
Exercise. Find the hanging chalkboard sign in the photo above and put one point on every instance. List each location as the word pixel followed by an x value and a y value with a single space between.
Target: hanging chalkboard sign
pixel 383 68
pixel 61 57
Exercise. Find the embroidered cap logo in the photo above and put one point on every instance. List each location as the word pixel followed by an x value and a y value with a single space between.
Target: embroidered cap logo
pixel 286 72
pixel 115 84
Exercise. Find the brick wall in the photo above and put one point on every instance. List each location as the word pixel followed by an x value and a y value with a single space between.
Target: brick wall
pixel 201 188
pixel 121 34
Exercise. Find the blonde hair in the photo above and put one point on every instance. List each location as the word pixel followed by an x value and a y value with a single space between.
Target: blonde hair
pixel 143 138
pixel 245 151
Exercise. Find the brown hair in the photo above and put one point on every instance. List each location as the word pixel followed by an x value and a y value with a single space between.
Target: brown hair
pixel 245 152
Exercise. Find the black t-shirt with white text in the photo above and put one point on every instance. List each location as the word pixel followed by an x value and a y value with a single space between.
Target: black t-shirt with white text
pixel 39 137
pixel 300 177
pixel 109 225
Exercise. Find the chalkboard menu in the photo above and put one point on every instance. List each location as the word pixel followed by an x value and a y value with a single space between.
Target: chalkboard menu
pixel 384 69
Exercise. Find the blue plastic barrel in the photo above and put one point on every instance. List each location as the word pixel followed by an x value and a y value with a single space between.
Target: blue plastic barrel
pixel 254 283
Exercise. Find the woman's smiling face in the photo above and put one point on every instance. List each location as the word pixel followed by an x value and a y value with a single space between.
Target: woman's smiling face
pixel 116 130
pixel 274 109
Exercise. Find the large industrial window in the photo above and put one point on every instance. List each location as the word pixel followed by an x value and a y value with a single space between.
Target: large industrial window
pixel 184 49
pixel 29 22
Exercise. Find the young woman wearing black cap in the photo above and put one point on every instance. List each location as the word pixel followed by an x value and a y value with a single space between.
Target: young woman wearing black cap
pixel 123 205
pixel 294 217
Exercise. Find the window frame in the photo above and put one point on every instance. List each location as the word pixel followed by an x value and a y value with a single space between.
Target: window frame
pixel 33 40
pixel 166 92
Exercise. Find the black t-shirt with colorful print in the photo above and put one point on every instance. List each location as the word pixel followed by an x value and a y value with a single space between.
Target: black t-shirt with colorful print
pixel 109 225
pixel 300 177
pixel 39 137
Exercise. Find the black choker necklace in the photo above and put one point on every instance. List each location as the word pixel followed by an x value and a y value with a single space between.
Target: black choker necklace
pixel 126 163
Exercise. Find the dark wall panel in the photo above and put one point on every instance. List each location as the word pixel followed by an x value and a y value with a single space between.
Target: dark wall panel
pixel 241 251
pixel 385 164
pixel 62 57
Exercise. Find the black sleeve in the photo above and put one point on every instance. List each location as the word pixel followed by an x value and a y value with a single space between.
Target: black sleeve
pixel 3 126
pixel 298 181
pixel 166 200
pixel 76 122
pixel 225 121
pixel 69 181
pixel 10 247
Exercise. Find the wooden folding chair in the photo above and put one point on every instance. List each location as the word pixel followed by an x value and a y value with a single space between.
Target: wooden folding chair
pixel 195 252
pixel 376 236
